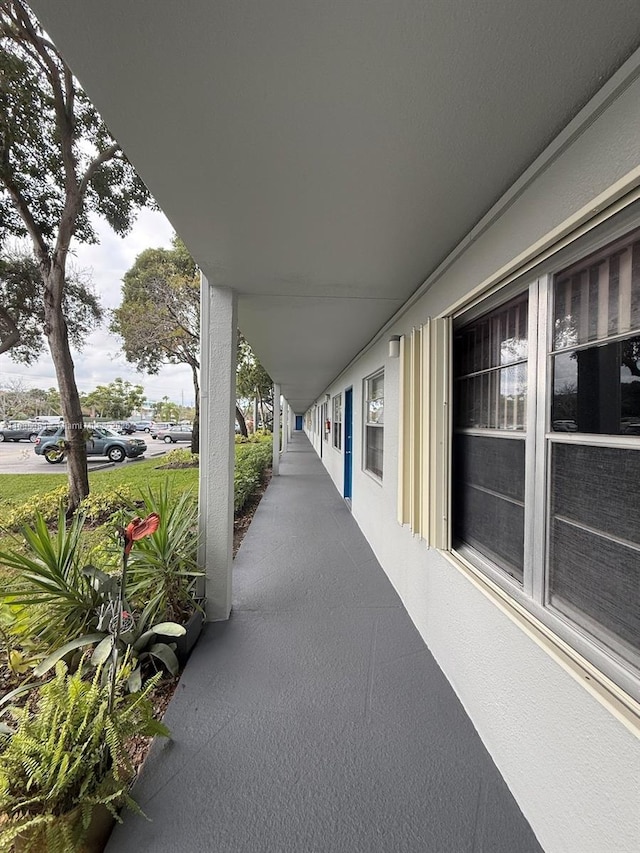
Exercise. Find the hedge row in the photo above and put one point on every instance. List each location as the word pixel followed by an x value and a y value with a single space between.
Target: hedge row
pixel 252 460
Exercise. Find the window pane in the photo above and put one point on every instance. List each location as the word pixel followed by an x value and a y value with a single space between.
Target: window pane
pixel 594 554
pixel 597 390
pixel 375 399
pixel 373 457
pixel 600 297
pixel 494 400
pixel 497 339
pixel 490 369
pixel 488 477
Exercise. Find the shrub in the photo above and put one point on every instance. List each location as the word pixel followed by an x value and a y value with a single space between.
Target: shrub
pixel 46 506
pixel 252 459
pixel 181 457
pixel 98 507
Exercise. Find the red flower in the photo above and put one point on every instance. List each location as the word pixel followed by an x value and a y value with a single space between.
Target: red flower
pixel 138 528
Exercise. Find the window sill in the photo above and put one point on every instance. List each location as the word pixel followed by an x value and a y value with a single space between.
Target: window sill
pixel 623 706
pixel 372 476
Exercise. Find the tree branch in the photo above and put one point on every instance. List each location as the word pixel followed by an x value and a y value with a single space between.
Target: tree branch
pixel 13 337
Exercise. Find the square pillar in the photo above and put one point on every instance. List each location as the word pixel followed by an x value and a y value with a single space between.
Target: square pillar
pixel 285 425
pixel 275 465
pixel 218 345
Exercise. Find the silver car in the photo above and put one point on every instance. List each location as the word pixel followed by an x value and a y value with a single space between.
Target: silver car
pixel 173 434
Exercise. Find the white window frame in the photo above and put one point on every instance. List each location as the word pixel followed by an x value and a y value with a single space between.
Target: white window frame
pixel 369 424
pixel 336 425
pixel 623 672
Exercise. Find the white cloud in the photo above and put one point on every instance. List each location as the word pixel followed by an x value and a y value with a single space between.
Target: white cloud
pixel 101 361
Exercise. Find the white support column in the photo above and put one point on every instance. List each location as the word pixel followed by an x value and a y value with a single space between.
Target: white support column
pixel 285 425
pixel 276 430
pixel 218 341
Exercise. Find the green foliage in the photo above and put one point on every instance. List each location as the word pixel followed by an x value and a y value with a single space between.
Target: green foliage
pixel 181 456
pixel 21 297
pixel 98 507
pixel 49 582
pixel 252 380
pixel 67 756
pixel 46 506
pixel 253 457
pixel 138 641
pixel 116 400
pixel 163 568
pixel 102 504
pixel 159 318
pixel 44 117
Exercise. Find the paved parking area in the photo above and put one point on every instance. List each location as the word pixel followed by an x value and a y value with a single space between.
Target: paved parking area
pixel 19 457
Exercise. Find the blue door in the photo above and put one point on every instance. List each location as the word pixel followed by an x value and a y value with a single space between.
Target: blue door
pixel 298 421
pixel 348 442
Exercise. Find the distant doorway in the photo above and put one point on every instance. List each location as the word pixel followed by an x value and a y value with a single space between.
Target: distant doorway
pixel 348 441
pixel 298 421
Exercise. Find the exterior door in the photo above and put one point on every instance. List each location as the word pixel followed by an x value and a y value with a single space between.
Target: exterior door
pixel 348 442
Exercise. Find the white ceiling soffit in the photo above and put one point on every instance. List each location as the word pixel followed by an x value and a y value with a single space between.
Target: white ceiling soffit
pixel 322 156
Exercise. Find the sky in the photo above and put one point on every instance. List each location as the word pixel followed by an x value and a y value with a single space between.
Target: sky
pixel 101 359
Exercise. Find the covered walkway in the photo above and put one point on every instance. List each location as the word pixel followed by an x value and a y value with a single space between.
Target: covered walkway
pixel 315 720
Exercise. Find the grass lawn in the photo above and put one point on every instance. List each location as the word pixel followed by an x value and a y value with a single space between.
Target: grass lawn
pixel 18 488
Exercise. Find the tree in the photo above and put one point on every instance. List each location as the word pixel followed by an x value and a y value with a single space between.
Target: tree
pixel 116 400
pixel 159 318
pixel 165 411
pixel 21 301
pixel 58 165
pixel 253 383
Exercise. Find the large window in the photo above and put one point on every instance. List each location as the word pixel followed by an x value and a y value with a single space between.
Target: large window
pixel 374 424
pixel 337 421
pixel 546 448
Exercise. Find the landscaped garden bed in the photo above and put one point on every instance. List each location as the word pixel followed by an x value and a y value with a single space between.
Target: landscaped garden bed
pixel 94 608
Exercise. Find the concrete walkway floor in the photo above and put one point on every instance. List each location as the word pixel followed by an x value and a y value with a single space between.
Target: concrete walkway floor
pixel 315 720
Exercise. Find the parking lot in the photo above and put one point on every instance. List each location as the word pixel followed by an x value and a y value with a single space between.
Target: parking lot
pixel 19 457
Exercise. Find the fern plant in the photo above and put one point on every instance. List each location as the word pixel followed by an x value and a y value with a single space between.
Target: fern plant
pixel 67 756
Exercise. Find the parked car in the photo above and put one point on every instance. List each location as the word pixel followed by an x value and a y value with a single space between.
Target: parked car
pixel 175 433
pixel 123 427
pixel 144 426
pixel 101 442
pixel 157 426
pixel 19 431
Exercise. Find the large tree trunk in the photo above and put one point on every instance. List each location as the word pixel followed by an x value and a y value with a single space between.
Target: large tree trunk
pixel 56 331
pixel 241 422
pixel 195 437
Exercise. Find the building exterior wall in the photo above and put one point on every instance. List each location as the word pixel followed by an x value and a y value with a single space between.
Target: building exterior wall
pixel 570 762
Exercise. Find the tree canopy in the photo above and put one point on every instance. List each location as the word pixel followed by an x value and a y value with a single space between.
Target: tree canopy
pixel 21 299
pixel 159 317
pixel 116 400
pixel 253 382
pixel 58 166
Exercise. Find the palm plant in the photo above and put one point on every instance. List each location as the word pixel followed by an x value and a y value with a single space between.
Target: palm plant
pixel 50 583
pixel 163 569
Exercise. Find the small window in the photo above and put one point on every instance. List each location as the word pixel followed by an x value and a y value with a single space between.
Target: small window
pixel 374 424
pixel 337 421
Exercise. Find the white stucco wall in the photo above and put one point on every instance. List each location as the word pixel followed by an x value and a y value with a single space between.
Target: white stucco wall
pixel 571 764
